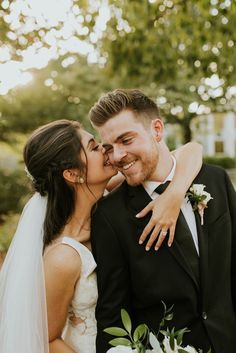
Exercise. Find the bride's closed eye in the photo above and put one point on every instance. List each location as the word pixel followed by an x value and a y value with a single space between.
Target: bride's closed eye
pixel 95 148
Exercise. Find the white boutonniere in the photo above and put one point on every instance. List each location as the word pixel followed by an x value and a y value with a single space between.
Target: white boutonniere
pixel 199 198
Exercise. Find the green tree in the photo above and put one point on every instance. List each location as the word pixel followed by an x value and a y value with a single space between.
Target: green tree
pixel 182 51
pixel 27 24
pixel 60 91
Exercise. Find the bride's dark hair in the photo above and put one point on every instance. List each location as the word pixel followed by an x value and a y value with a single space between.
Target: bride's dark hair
pixel 50 150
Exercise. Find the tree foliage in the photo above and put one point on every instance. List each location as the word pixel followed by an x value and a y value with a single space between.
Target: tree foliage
pixel 180 52
pixel 56 92
pixel 164 39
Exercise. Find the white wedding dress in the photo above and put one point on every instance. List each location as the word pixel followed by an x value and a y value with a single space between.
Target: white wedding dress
pixel 81 327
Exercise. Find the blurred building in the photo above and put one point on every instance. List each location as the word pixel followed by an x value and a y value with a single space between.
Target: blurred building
pixel 217 133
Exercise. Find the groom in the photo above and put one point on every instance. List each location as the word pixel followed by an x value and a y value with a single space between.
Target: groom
pixel 198 273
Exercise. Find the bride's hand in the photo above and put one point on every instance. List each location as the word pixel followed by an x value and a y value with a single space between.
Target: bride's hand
pixel 165 211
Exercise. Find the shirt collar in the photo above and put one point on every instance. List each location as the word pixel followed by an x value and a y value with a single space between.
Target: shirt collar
pixel 150 186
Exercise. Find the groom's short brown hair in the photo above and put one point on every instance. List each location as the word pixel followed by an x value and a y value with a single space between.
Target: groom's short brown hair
pixel 116 101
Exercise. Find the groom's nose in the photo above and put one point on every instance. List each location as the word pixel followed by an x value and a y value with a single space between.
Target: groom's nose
pixel 118 154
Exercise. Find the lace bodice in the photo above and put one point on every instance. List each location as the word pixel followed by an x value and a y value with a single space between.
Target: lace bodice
pixel 81 327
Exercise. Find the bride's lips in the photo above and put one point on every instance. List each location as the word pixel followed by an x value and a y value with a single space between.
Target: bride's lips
pixel 107 163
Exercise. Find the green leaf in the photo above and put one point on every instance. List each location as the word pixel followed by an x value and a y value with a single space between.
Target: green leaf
pixel 140 332
pixel 181 350
pixel 120 341
pixel 165 332
pixel 126 320
pixel 116 331
pixel 172 342
pixel 165 309
pixel 170 309
pixel 169 317
pixel 179 335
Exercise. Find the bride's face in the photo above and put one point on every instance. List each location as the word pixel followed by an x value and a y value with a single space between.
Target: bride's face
pixel 99 169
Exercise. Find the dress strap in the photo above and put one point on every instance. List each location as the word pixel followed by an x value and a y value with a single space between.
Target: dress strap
pixel 87 259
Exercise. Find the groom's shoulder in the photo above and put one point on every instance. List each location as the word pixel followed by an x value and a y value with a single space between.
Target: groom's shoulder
pixel 212 176
pixel 116 195
pixel 212 170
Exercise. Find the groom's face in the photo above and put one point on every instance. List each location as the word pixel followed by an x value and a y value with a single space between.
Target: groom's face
pixel 131 147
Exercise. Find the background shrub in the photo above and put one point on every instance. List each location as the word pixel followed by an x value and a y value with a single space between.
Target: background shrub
pixel 225 162
pixel 14 188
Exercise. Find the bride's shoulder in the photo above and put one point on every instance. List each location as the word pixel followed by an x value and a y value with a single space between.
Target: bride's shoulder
pixel 62 260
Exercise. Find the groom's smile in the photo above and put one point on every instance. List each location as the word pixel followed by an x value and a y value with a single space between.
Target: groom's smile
pixel 130 147
pixel 127 166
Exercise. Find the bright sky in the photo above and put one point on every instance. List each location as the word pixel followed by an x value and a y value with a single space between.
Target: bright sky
pixel 47 13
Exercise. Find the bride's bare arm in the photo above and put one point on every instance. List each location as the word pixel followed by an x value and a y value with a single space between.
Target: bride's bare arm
pixel 165 209
pixel 62 268
pixel 115 181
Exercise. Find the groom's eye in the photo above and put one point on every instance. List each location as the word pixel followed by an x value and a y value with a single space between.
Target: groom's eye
pixel 127 141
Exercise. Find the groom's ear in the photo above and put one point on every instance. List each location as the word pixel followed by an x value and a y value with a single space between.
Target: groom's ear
pixel 157 128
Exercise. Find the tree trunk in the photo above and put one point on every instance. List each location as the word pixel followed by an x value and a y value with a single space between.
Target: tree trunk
pixel 187 133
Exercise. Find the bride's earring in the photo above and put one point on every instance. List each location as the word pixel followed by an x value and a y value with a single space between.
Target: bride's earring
pixel 80 180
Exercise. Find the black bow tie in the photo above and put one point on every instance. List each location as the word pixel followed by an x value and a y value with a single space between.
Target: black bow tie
pixel 161 188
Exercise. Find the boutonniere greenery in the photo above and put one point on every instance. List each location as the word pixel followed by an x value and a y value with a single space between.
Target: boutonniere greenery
pixel 199 199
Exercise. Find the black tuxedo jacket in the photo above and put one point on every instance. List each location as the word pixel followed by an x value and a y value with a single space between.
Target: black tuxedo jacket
pixel 131 278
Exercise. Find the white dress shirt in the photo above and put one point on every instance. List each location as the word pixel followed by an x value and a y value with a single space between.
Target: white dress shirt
pixel 186 207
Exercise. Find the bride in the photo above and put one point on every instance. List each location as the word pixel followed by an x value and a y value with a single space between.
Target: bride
pixel 48 288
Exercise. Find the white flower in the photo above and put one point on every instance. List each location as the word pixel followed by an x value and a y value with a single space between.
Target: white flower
pixel 155 344
pixel 121 349
pixel 207 198
pixel 199 198
pixel 197 189
pixel 167 347
pixel 190 349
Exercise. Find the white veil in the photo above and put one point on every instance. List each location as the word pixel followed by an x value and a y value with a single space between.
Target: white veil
pixel 23 314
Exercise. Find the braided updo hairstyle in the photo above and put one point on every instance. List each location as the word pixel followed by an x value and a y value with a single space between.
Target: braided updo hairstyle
pixel 50 150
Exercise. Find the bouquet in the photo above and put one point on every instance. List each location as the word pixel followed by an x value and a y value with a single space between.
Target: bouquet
pixel 142 340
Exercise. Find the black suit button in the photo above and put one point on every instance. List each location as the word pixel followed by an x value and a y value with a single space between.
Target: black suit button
pixel 204 315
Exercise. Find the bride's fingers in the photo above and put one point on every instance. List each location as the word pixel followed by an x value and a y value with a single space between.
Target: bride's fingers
pixel 145 210
pixel 153 237
pixel 171 234
pixel 162 235
pixel 147 230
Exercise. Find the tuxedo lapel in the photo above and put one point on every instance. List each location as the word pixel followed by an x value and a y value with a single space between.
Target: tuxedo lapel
pixel 138 198
pixel 177 253
pixel 183 249
pixel 202 232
